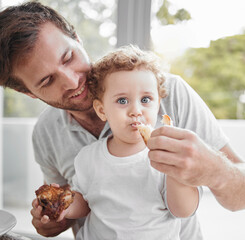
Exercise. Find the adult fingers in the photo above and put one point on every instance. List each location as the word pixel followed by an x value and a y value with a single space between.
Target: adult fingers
pixel 36 223
pixel 165 168
pixel 164 157
pixel 45 219
pixel 54 228
pixel 164 143
pixel 170 131
pixel 50 230
pixel 35 203
pixel 47 228
pixel 36 212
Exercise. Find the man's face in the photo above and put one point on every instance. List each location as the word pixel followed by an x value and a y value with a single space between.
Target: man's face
pixel 56 70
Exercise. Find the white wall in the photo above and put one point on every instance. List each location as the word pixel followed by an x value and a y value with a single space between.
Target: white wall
pixel 22 175
pixel 216 221
pixel 235 130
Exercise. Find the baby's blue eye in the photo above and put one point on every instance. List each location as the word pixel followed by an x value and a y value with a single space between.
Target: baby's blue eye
pixel 145 100
pixel 122 101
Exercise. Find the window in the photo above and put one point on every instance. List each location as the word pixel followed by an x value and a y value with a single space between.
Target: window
pixel 207 50
pixel 184 47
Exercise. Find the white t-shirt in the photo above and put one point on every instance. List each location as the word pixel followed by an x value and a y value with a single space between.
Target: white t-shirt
pixel 125 194
pixel 57 138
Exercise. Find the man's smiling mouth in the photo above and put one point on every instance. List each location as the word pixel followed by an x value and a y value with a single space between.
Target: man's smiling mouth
pixel 79 92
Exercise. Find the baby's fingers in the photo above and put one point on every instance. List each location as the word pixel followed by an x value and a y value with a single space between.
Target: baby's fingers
pixel 62 216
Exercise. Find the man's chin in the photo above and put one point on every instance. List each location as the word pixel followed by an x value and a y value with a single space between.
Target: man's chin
pixel 75 108
pixel 72 107
pixel 78 109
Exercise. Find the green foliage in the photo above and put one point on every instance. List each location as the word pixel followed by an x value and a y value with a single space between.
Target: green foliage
pixel 166 18
pixel 19 105
pixel 217 73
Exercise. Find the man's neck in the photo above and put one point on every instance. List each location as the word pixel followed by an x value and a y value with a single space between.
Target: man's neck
pixel 89 120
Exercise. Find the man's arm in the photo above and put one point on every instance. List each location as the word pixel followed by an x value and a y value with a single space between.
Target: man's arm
pixel 230 192
pixel 44 226
pixel 183 155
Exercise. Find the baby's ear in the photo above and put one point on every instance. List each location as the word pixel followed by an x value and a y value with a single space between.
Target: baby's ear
pixel 99 109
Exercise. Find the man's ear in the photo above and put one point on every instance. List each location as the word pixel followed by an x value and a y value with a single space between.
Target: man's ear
pixel 99 109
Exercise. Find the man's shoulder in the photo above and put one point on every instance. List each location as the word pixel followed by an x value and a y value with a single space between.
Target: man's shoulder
pixel 171 80
pixel 93 150
pixel 96 145
pixel 49 117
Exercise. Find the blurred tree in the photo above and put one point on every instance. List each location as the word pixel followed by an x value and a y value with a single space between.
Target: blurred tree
pixel 19 105
pixel 217 73
pixel 166 18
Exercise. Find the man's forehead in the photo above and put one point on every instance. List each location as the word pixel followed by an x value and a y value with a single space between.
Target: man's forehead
pixel 48 48
pixel 49 33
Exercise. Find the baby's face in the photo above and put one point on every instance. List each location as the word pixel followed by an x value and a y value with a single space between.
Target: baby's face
pixel 130 98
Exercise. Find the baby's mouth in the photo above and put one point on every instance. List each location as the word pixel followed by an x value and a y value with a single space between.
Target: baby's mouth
pixel 135 124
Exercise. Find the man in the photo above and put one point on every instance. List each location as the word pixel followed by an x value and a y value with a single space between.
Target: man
pixel 42 57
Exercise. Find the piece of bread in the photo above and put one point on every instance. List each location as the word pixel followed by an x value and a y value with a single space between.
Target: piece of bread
pixel 145 131
pixel 54 200
pixel 166 120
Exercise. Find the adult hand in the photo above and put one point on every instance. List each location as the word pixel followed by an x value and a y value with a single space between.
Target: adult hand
pixel 45 226
pixel 183 155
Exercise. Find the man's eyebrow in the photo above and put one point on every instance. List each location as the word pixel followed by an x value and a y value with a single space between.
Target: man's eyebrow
pixel 60 60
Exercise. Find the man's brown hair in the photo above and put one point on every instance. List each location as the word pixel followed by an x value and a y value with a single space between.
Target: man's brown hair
pixel 19 29
pixel 126 58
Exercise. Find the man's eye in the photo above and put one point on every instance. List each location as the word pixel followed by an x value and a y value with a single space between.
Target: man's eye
pixel 145 100
pixel 68 57
pixel 47 82
pixel 122 101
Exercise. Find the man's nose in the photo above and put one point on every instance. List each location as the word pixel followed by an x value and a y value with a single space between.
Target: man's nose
pixel 69 79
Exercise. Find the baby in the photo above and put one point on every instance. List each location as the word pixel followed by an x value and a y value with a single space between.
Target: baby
pixel 116 187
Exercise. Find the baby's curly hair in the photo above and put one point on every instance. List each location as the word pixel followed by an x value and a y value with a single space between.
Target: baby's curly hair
pixel 126 58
